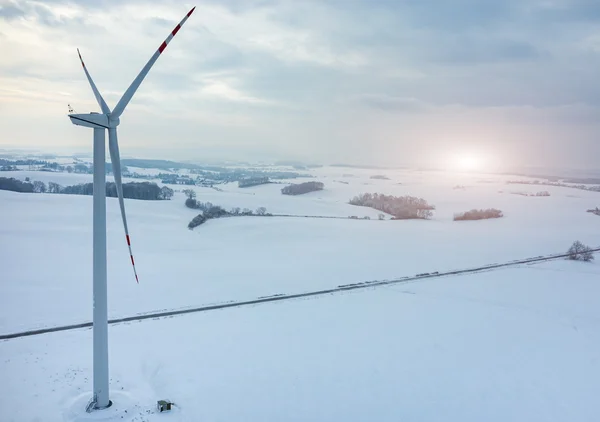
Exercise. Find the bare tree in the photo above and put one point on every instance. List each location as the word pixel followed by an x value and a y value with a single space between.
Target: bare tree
pixel 580 252
pixel 190 193
pixel 39 187
pixel 166 192
pixel 587 255
pixel 235 211
pixel 261 211
pixel 54 187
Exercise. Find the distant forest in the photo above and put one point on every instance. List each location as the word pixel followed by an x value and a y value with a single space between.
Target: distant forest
pixel 5 162
pixel 401 207
pixel 133 190
pixel 15 185
pixel 301 188
pixel 476 214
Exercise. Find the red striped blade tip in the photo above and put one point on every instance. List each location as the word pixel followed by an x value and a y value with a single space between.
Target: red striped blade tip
pixel 80 58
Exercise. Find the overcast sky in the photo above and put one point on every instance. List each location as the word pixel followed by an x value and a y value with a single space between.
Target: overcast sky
pixel 364 81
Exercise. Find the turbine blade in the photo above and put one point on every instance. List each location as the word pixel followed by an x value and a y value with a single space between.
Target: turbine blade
pixel 120 107
pixel 99 98
pixel 115 159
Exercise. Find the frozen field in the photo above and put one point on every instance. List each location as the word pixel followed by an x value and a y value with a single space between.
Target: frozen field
pixel 517 344
pixel 47 257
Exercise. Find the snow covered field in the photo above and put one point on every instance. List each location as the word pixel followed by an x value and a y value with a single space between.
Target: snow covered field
pixel 517 344
pixel 514 344
pixel 46 243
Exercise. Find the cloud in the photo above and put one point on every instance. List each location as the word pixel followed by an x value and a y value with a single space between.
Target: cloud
pixel 222 89
pixel 467 51
pixel 394 104
pixel 358 78
pixel 10 11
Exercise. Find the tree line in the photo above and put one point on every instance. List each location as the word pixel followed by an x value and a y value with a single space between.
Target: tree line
pixel 132 190
pixel 146 191
pixel 15 185
pixel 209 210
pixel 28 162
pixel 301 188
pixel 580 252
pixel 476 214
pixel 401 207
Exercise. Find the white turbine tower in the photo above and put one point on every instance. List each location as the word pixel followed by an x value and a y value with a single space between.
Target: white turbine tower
pixel 100 122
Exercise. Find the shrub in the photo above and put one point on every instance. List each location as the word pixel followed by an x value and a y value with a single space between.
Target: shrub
pixel 191 203
pixel 475 214
pixel 595 211
pixel 196 221
pixel 215 211
pixel 580 252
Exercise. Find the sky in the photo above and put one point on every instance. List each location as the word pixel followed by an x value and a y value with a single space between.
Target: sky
pixel 383 82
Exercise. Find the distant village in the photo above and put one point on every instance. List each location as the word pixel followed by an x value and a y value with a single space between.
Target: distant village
pixel 207 176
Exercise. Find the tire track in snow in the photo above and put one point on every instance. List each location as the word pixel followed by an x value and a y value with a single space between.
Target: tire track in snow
pixel 281 297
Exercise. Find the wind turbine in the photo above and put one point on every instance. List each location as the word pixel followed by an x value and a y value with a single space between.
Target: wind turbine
pixel 108 120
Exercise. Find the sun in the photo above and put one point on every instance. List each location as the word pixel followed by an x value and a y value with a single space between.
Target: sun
pixel 468 161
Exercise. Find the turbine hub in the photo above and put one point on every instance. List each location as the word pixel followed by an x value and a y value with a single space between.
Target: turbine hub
pixel 113 121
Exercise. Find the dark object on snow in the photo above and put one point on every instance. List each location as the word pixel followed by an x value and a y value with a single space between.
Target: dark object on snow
pixel 163 405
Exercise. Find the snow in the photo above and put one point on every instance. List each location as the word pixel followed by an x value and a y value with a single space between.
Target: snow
pixel 62 178
pixel 513 344
pixel 517 344
pixel 246 257
pixel 146 171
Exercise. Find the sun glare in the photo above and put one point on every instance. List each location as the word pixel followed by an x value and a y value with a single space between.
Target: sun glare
pixel 468 162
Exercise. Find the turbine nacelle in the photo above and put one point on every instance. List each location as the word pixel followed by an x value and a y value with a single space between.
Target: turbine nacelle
pixel 93 120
